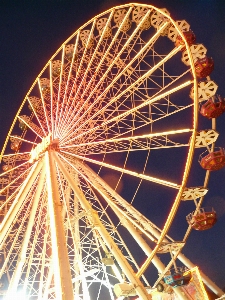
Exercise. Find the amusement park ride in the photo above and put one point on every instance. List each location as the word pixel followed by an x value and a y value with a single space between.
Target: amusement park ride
pixel 125 89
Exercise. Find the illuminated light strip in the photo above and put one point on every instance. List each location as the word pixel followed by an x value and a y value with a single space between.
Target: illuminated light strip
pixel 28 125
pixel 118 55
pixel 150 98
pixel 196 271
pixel 111 65
pixel 6 172
pixel 15 154
pixel 160 118
pixel 125 148
pixel 147 102
pixel 11 196
pixel 95 220
pixel 51 98
pixel 59 90
pixel 43 104
pixel 144 136
pixel 93 54
pixel 7 186
pixel 21 139
pixel 114 204
pixel 34 111
pixel 79 68
pixel 138 175
pixel 134 84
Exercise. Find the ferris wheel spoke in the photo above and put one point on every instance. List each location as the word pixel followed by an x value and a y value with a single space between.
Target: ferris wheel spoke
pixel 172 113
pixel 31 125
pixel 11 159
pixel 134 86
pixel 144 95
pixel 85 49
pixel 121 116
pixel 125 171
pixel 38 256
pixel 35 110
pixel 13 169
pixel 120 213
pixel 146 122
pixel 46 116
pixel 148 101
pixel 19 200
pixel 79 69
pixel 107 52
pixel 51 97
pixel 59 92
pixel 114 200
pixel 14 183
pixel 152 228
pixel 22 140
pixel 22 256
pixel 147 46
pixel 117 56
pixel 158 140
pixel 60 80
pixel 103 232
pixel 64 104
pixel 84 77
pixel 110 225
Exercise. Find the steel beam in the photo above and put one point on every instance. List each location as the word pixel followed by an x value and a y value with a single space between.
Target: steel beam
pixel 62 274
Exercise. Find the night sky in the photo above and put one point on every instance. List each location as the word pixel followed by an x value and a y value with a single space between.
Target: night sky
pixel 30 33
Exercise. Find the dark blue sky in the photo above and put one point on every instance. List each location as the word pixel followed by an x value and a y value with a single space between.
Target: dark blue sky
pixel 31 31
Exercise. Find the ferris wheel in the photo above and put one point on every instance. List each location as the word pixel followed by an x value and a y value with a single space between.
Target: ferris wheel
pixel 104 138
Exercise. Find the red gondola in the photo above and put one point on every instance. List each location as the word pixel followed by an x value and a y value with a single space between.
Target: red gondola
pixel 213 160
pixel 22 125
pixel 15 146
pixel 6 168
pixel 213 107
pixel 204 66
pixel 204 219
pixel 189 37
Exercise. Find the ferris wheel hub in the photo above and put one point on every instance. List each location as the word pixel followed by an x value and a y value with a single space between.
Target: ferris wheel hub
pixel 46 143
